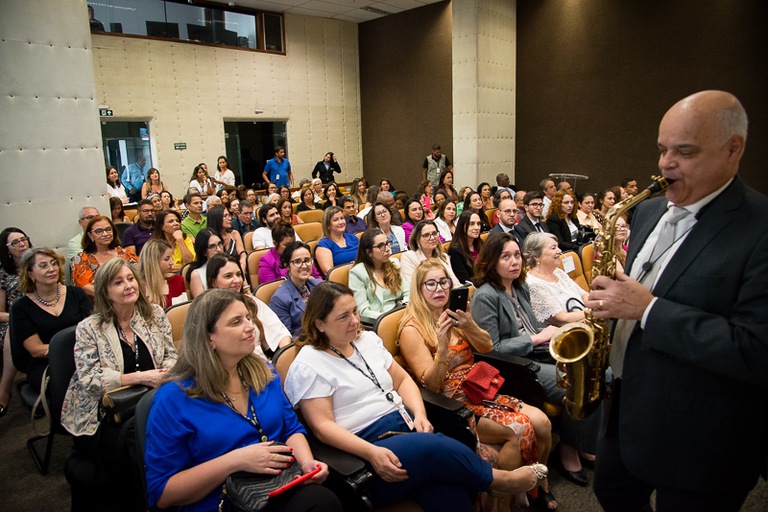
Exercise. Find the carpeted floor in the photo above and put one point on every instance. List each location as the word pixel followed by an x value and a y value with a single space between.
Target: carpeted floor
pixel 23 489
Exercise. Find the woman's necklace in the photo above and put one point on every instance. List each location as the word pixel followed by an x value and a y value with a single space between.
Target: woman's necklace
pixel 50 303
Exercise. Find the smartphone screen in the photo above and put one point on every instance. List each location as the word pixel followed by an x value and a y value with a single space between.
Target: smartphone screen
pixel 458 299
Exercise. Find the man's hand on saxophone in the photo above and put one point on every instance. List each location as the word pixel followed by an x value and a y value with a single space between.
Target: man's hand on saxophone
pixel 622 297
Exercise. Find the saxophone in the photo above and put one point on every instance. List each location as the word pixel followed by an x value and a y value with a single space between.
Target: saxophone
pixel 581 349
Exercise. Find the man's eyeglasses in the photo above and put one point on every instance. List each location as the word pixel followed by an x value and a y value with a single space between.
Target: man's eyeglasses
pixel 427 236
pixel 384 246
pixel 445 283
pixel 87 218
pixel 306 262
pixel 509 212
pixel 101 231
pixel 213 246
pixel 146 211
pixel 536 205
pixel 15 243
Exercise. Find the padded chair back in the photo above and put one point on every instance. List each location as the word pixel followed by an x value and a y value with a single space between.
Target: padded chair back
pixel 489 214
pixel 176 315
pixel 308 231
pixel 185 275
pixel 386 327
pixel 61 367
pixel 587 255
pixel 265 291
pixel 283 358
pixel 141 416
pixel 484 237
pixel 252 266
pixel 310 216
pixel 340 274
pixel 312 245
pixel 570 260
pixel 248 241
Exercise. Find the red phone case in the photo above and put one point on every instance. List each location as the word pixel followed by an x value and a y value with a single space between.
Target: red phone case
pixel 294 483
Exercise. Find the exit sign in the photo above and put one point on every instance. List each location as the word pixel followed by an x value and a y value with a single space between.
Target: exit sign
pixel 106 112
pixel 179 146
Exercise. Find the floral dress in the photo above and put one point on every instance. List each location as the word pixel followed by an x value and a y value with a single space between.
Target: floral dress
pixel 85 265
pixel 9 283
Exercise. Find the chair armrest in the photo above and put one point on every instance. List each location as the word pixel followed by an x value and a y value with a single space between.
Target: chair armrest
pixel 520 380
pixel 450 417
pixel 344 463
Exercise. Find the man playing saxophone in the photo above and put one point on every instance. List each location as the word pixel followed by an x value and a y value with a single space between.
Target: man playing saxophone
pixel 688 415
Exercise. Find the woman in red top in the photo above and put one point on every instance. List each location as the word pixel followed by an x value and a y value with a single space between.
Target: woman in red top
pixel 161 284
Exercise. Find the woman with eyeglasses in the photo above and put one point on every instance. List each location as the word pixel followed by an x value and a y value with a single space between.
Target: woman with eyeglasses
pixel 100 244
pixel 224 271
pixel 375 279
pixel 207 243
pixel 621 241
pixel 163 286
pixel 13 244
pixel 290 300
pixel 46 307
pixel 168 228
pixel 270 266
pixel 465 246
pixel 446 220
pixel 337 246
pixel 438 347
pixel 380 217
pixel 425 243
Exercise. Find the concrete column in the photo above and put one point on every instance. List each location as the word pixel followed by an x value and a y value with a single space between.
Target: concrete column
pixel 484 67
pixel 51 161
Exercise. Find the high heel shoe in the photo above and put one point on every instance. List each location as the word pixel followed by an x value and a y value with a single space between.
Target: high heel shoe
pixel 577 477
pixel 540 471
pixel 543 499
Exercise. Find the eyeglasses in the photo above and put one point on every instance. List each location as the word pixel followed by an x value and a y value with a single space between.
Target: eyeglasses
pixel 306 262
pixel 15 243
pixel 101 231
pixel 384 246
pixel 46 265
pixel 445 283
pixel 87 217
pixel 536 205
pixel 217 244
pixel 147 212
pixel 382 213
pixel 622 226
pixel 427 236
pixel 509 212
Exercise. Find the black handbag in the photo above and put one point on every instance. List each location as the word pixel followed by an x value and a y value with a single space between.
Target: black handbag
pixel 119 405
pixel 248 492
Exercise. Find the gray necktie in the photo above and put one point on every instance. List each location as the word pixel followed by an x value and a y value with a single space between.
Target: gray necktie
pixel 650 270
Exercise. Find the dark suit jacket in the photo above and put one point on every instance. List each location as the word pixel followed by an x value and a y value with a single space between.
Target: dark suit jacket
pixel 694 412
pixel 459 264
pixel 525 226
pixel 559 228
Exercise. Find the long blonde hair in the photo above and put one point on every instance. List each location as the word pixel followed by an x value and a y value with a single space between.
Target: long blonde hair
pixel 197 358
pixel 417 312
pixel 149 268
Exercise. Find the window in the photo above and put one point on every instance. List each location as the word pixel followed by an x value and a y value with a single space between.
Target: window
pixel 204 23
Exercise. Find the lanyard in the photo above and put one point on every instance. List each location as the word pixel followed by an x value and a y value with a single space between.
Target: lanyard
pixel 252 419
pixel 124 339
pixel 370 375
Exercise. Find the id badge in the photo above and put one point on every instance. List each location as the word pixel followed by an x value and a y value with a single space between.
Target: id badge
pixel 406 417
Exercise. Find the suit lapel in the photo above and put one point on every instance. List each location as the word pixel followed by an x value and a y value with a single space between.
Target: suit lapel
pixel 507 306
pixel 716 217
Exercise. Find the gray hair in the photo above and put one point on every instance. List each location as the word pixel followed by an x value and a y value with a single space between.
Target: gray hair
pixel 81 213
pixel 534 245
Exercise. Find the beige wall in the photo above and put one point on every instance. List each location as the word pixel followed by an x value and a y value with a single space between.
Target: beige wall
pixel 187 92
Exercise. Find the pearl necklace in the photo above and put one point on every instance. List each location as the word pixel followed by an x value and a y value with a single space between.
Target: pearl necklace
pixel 49 303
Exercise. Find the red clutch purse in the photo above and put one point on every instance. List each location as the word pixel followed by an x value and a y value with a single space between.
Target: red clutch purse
pixel 483 382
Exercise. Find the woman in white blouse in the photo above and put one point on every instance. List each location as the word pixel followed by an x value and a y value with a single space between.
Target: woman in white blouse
pixel 425 243
pixel 446 220
pixel 555 297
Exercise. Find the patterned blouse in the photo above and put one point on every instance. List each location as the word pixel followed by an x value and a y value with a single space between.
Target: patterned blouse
pixel 85 265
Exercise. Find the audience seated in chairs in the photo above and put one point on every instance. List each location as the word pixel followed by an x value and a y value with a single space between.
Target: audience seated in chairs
pixel 194 441
pixel 220 222
pixel 163 287
pixel 168 228
pixel 375 279
pixel 100 244
pixel 285 207
pixel 207 243
pixel 465 246
pixel 136 236
pixel 307 200
pixel 223 271
pixel 445 220
pixel 337 246
pixel 425 244
pixel 127 341
pixel 270 267
pixel 45 308
pixel 437 345
pixel 354 223
pixel 355 411
pixel 289 301
pixel 501 305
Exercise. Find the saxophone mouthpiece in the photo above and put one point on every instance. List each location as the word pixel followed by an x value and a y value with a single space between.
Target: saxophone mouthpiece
pixel 659 183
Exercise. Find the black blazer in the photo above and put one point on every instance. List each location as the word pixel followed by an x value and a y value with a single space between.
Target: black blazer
pixel 559 228
pixel 525 226
pixel 326 176
pixel 459 264
pixel 698 372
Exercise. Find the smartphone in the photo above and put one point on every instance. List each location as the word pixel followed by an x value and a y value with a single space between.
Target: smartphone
pixel 458 299
pixel 293 483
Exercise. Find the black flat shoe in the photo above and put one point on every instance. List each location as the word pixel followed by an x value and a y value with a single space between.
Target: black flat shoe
pixel 542 501
pixel 577 477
